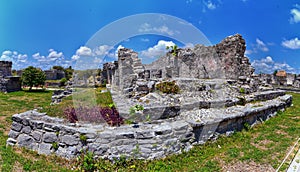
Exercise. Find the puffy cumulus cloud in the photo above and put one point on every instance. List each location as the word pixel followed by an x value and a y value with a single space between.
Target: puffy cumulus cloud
pixel 75 57
pixel 102 50
pixel 146 27
pixel 295 12
pixel 157 50
pixel 292 43
pixel 19 60
pixel 53 58
pixel 268 65
pixel 84 51
pixel 54 55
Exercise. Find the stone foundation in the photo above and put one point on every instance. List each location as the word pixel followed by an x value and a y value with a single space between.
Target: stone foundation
pixel 156 139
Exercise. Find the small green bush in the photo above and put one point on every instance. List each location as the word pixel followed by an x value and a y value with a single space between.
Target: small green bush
pixel 242 90
pixel 83 138
pixel 63 81
pixel 55 145
pixel 168 87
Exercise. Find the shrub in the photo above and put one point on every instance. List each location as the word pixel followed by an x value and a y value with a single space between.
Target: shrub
pixel 168 87
pixel 94 114
pixel 242 90
pixel 55 145
pixel 63 81
pixel 87 162
pixel 83 139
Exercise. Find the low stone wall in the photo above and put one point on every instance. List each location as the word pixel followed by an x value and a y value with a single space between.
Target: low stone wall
pixel 157 139
pixel 39 132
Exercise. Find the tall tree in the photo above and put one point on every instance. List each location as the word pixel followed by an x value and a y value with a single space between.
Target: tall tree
pixel 33 77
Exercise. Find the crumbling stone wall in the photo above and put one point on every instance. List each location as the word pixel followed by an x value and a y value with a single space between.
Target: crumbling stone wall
pixel 8 83
pixel 5 68
pixel 39 132
pixel 224 60
pixel 54 74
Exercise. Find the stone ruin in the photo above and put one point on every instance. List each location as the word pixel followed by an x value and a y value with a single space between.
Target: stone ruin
pixel 218 95
pixel 204 74
pixel 8 83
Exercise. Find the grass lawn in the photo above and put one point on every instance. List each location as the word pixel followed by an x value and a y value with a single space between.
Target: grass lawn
pixel 263 147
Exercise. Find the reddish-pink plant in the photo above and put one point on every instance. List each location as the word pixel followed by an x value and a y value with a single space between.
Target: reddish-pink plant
pixel 94 114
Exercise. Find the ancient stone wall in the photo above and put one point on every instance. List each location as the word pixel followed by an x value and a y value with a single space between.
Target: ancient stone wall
pixel 13 84
pixel 224 60
pixel 54 74
pixel 46 135
pixel 8 83
pixel 5 68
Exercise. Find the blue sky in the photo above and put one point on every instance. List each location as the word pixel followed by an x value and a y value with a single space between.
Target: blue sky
pixel 55 32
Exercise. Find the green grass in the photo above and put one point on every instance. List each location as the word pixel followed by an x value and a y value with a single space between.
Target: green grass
pixel 267 143
pixel 17 159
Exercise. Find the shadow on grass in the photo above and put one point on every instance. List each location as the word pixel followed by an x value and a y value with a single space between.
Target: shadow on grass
pixel 36 91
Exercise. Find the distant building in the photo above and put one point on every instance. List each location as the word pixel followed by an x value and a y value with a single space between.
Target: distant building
pixel 54 74
pixel 280 77
pixel 8 83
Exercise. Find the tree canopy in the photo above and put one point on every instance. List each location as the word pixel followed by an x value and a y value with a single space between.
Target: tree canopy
pixel 32 76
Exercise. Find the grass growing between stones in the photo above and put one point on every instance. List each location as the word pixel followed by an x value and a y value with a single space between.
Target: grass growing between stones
pixel 261 148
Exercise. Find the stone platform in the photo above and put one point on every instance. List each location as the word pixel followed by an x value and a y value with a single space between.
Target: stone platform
pixel 144 140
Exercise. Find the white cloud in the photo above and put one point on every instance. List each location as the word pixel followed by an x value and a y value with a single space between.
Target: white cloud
pixel 146 27
pixel 75 57
pixel 292 43
pixel 258 46
pixel 157 50
pixel 261 45
pixel 19 60
pixel 210 5
pixel 37 56
pixel 102 50
pixel 84 51
pixel 295 12
pixel 54 55
pixel 268 65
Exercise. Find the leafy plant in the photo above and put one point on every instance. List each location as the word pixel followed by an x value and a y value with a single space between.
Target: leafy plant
pixel 134 109
pixel 87 162
pixel 55 145
pixel 242 90
pixel 242 101
pixel 83 138
pixel 168 87
pixel 63 81
pixel 174 49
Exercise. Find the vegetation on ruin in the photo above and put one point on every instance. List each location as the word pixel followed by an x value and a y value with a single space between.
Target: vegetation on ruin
pixel 173 49
pixel 265 145
pixel 168 87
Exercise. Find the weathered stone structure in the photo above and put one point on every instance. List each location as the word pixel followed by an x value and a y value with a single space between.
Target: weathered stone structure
pixel 54 74
pixel 225 60
pixel 39 132
pixel 8 83
pixel 218 95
